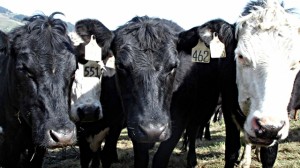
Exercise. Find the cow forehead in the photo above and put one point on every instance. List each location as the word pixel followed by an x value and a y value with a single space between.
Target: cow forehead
pixel 267 32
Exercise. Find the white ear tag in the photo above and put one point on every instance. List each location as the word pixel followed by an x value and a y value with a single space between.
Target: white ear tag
pixel 92 50
pixel 217 48
pixel 200 53
pixel 110 63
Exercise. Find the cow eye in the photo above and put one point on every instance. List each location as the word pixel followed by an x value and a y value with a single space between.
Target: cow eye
pixel 121 68
pixel 24 70
pixel 172 69
pixel 243 60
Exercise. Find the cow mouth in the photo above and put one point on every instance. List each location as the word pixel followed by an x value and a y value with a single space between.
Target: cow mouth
pixel 259 141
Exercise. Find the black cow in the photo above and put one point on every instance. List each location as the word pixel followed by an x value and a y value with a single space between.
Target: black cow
pixel 36 74
pixel 194 102
pixel 154 67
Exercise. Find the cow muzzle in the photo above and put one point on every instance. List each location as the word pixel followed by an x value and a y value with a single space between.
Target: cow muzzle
pixel 61 137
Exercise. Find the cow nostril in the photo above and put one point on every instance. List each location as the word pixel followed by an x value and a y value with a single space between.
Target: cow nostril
pixel 53 136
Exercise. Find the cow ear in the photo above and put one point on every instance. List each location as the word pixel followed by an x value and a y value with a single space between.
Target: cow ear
pixel 190 38
pixel 87 27
pixel 205 33
pixel 3 43
pixel 187 40
pixel 80 53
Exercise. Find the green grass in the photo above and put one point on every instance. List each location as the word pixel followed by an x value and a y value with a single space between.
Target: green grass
pixel 210 154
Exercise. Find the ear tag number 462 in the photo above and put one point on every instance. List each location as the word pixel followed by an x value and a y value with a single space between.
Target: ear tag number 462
pixel 201 53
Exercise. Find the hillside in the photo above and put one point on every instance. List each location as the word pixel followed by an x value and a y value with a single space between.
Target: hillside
pixel 10 20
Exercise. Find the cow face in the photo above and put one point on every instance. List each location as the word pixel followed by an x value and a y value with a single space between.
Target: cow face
pixel 146 62
pixel 44 63
pixel 86 91
pixel 266 61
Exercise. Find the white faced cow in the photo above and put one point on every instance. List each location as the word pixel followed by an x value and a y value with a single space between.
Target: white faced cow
pixel 92 121
pixel 267 58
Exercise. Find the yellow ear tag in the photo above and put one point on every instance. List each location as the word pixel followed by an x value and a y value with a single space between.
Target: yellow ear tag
pixel 201 53
pixel 217 48
pixel 92 50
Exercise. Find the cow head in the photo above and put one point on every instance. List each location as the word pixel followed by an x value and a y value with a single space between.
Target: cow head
pixel 43 63
pixel 146 60
pixel 267 57
pixel 86 88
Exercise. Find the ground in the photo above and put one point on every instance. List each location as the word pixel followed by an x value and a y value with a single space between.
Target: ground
pixel 210 154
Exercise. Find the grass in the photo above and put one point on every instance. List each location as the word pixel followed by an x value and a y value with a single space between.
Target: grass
pixel 210 154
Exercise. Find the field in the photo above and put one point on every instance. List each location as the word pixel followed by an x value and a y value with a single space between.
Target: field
pixel 210 154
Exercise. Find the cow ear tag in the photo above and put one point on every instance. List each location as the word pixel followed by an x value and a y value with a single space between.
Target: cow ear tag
pixel 201 53
pixel 217 48
pixel 93 51
pixel 110 63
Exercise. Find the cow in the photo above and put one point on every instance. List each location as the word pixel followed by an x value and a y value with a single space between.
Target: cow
pixel 96 109
pixel 161 88
pixel 194 103
pixel 267 62
pixel 37 70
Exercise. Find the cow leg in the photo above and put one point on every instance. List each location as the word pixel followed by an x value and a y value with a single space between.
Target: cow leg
pixel 232 138
pixel 207 135
pixel 86 154
pixel 246 157
pixel 141 154
pixel 184 142
pixel 109 153
pixel 191 156
pixel 268 156
pixel 200 132
pixel 95 159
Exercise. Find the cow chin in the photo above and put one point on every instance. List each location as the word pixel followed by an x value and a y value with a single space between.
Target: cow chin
pixel 258 141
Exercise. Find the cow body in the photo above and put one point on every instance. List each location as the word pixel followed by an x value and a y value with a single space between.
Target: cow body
pixel 193 104
pixel 92 132
pixel 35 91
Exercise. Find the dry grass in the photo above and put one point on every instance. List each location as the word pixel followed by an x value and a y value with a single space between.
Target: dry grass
pixel 210 154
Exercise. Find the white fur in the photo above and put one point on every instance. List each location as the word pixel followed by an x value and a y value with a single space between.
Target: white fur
pixel 269 42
